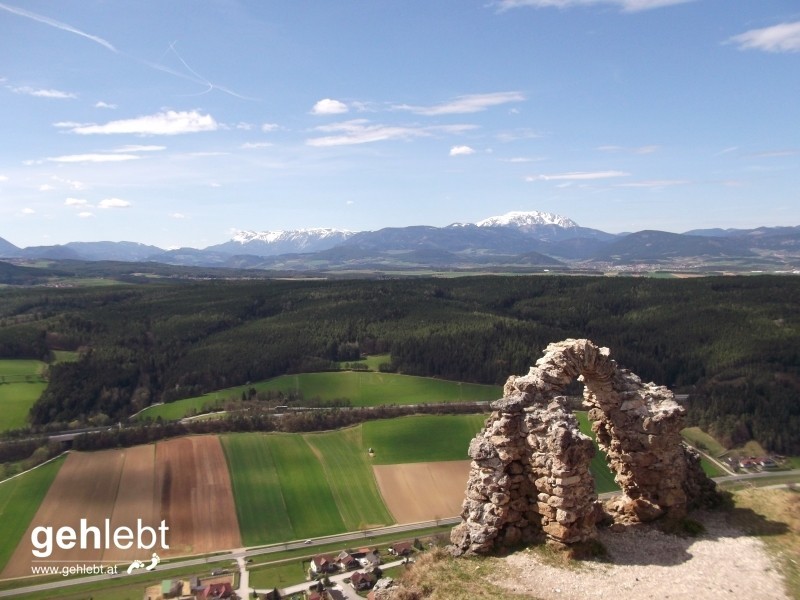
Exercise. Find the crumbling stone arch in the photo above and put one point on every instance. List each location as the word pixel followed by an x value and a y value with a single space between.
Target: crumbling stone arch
pixel 529 479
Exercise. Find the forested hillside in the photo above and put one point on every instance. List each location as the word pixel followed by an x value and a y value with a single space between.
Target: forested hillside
pixel 733 343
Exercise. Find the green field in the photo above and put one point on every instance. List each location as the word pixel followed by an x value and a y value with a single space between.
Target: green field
pixel 603 477
pixel 21 384
pixel 362 388
pixel 19 500
pixel 421 438
pixel 348 469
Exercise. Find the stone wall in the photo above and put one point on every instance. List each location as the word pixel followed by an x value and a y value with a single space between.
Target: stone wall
pixel 529 479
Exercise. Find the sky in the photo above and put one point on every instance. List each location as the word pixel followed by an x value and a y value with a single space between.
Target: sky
pixel 180 123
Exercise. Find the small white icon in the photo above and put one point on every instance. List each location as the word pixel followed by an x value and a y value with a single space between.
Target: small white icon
pixel 138 564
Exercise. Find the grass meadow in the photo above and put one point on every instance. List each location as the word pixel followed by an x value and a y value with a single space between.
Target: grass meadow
pixel 362 388
pixel 20 498
pixel 21 384
pixel 423 438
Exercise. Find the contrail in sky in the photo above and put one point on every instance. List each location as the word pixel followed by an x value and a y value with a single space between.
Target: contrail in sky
pixel 58 25
pixel 193 77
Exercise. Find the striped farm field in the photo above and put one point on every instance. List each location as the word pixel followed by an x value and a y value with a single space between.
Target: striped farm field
pixel 362 388
pixel 20 498
pixel 348 469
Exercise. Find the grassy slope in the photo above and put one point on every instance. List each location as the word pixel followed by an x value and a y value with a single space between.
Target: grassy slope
pixel 19 500
pixel 603 477
pixel 349 472
pixel 362 388
pixel 21 384
pixel 421 438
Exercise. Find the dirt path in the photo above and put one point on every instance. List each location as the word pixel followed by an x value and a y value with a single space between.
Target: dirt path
pixel 645 563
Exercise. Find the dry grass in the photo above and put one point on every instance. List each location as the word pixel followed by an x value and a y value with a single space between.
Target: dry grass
pixel 774 516
pixel 438 576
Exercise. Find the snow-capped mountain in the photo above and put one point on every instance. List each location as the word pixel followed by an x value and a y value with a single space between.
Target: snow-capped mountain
pixel 271 243
pixel 525 220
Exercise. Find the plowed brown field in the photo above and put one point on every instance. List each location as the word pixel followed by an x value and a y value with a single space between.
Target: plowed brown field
pixel 183 481
pixel 423 491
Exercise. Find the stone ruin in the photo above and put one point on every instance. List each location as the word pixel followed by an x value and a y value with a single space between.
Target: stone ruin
pixel 529 480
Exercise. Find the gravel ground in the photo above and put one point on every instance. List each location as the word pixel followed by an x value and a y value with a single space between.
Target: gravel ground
pixel 645 563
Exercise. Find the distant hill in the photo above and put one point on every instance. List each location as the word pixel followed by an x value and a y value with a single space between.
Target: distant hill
pixel 8 250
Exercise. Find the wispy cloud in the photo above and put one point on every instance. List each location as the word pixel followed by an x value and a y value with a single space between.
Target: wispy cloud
pixel 42 93
pixel 46 187
pixel 28 211
pixel 57 24
pixel 625 5
pixel 139 148
pixel 361 131
pixel 653 183
pixel 93 158
pixel 101 104
pixel 164 123
pixel 255 145
pixel 177 215
pixel 328 106
pixel 461 151
pixel 465 104
pixel 635 150
pixel 578 176
pixel 784 37
pixel 113 203
pixel 76 202
pixel 3 178
pixel 267 127
pixel 85 214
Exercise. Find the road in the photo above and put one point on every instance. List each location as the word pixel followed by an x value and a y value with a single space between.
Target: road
pixel 241 555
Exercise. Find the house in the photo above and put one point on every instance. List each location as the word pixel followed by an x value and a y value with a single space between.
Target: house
pixel 346 561
pixel 323 563
pixel 362 581
pixel 215 591
pixel 370 559
pixel 401 549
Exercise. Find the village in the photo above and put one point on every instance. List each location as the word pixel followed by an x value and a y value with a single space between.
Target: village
pixel 351 574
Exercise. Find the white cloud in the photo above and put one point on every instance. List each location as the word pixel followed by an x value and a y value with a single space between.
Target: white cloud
pixel 113 203
pixel 28 211
pixel 46 187
pixel 784 37
pixel 85 214
pixel 101 104
pixel 72 184
pixel 328 106
pixel 164 123
pixel 650 149
pixel 57 24
pixel 626 5
pixel 465 104
pixel 361 131
pixel 244 126
pixel 39 93
pixel 255 145
pixel 461 151
pixel 578 176
pixel 80 202
pixel 267 127
pixel 3 178
pixel 97 158
pixel 138 148
pixel 177 215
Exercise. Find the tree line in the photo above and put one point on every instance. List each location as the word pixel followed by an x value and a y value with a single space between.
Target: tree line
pixel 732 343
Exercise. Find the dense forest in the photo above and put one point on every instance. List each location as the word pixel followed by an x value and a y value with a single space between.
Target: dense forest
pixel 732 343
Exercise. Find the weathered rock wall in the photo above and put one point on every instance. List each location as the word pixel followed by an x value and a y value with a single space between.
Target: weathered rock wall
pixel 529 479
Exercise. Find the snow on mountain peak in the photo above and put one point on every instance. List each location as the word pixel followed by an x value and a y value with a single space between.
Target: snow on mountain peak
pixel 526 219
pixel 297 235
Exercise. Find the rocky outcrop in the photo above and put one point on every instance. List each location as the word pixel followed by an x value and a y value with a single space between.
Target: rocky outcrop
pixel 529 479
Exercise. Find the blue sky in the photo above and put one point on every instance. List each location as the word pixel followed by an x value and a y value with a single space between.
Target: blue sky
pixel 177 123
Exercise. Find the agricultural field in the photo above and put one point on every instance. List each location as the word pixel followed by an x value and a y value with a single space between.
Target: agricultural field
pixel 183 481
pixel 19 499
pixel 290 486
pixel 362 388
pixel 424 438
pixel 21 384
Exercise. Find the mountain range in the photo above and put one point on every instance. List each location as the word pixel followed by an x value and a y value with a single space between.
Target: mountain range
pixel 514 241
